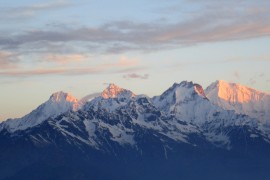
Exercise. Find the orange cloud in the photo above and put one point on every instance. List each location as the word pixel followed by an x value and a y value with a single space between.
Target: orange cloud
pixel 124 61
pixel 63 59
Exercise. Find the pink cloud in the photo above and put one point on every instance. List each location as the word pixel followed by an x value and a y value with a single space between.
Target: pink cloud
pixel 52 71
pixel 7 60
pixel 123 65
pixel 123 62
pixel 63 59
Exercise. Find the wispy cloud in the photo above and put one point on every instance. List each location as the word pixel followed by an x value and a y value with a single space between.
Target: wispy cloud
pixel 51 71
pixel 136 76
pixel 125 62
pixel 8 60
pixel 208 21
pixel 122 65
pixel 117 37
pixel 64 58
pixel 17 13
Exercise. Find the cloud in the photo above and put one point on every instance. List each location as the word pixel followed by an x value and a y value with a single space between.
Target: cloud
pixel 8 60
pixel 64 58
pixel 17 13
pixel 122 65
pixel 116 37
pixel 51 71
pixel 135 76
pixel 123 62
pixel 206 21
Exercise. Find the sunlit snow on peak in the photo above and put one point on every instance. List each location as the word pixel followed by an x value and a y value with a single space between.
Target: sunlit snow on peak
pixel 62 96
pixel 113 91
pixel 242 99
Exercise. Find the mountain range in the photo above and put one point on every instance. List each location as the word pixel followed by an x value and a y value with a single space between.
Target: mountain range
pixel 187 132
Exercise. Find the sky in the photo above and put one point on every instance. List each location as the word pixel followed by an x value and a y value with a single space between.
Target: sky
pixel 145 46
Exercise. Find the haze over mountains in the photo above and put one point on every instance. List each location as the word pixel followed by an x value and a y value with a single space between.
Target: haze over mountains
pixel 120 135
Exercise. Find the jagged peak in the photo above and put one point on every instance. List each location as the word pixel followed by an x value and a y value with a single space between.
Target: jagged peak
pixel 190 85
pixel 113 91
pixel 187 84
pixel 62 96
pixel 184 89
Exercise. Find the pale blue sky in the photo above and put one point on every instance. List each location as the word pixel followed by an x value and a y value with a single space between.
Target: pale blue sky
pixel 145 46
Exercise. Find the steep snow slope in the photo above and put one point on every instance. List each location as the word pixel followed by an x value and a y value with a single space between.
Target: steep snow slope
pixel 187 101
pixel 241 99
pixel 57 104
pixel 180 111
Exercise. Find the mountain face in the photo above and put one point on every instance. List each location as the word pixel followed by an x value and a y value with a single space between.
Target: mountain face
pixel 241 99
pixel 57 104
pixel 119 135
pixel 186 101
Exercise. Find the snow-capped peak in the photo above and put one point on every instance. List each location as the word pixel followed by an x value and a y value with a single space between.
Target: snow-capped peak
pixel 184 90
pixel 242 99
pixel 113 91
pixel 182 100
pixel 58 103
pixel 110 99
pixel 233 92
pixel 61 96
pixel 192 87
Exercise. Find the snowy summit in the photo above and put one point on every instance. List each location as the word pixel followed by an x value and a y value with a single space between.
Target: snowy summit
pixel 113 91
pixel 241 99
pixel 58 103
